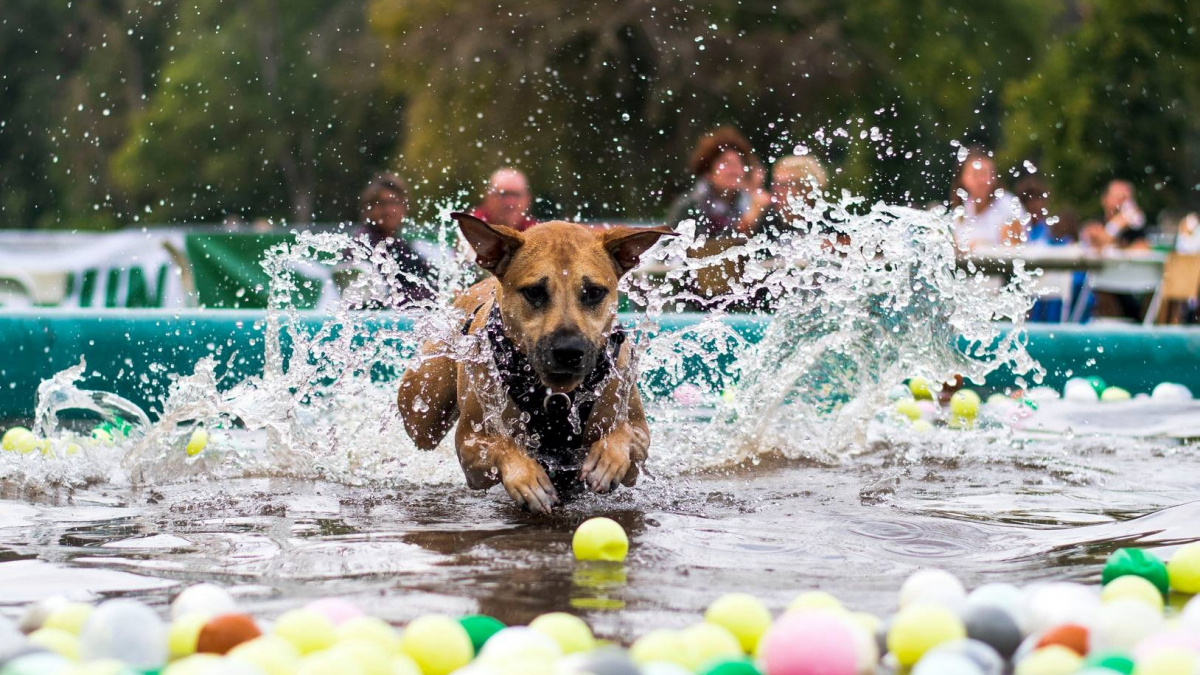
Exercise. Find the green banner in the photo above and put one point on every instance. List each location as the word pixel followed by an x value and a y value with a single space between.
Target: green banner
pixel 228 272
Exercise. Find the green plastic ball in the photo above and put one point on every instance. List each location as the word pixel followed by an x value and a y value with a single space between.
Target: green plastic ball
pixel 1137 562
pixel 480 629
pixel 1098 384
pixel 731 667
pixel 1118 662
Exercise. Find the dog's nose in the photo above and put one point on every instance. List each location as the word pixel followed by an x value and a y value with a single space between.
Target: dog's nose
pixel 567 352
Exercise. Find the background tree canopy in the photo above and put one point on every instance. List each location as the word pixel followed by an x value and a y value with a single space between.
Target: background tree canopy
pixel 120 112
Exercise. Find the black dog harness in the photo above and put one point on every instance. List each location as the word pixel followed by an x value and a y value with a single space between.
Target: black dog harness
pixel 548 416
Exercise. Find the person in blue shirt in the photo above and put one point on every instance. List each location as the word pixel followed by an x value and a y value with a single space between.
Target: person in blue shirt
pixel 1042 231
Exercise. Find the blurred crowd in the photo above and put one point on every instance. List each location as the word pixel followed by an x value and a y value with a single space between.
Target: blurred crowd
pixel 734 195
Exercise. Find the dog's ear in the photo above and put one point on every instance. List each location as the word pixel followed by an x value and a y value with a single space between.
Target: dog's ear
pixel 627 244
pixel 494 244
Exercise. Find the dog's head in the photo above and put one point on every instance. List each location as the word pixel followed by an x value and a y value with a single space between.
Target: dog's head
pixel 558 288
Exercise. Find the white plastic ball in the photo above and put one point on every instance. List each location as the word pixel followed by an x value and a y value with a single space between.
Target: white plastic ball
pixel 933 585
pixel 1005 596
pixel 664 667
pixel 1121 624
pixel 203 599
pixel 125 630
pixel 35 613
pixel 1171 391
pixel 519 643
pixel 1079 389
pixel 946 663
pixel 1042 394
pixel 1053 604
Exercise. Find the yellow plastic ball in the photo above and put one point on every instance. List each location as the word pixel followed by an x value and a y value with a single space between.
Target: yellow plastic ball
pixel 920 627
pixel 327 663
pixel 370 628
pixel 570 632
pixel 658 645
pixel 909 408
pixel 197 442
pixel 403 665
pixel 707 642
pixel 815 600
pixel 743 615
pixel 921 426
pixel 370 657
pixel 269 653
pixel 600 539
pixel 184 632
pixel 1168 661
pixel 965 403
pixel 308 630
pixel 1183 569
pixel 196 664
pixel 1111 394
pixel 438 644
pixel 19 440
pixel 1132 587
pixel 1052 660
pixel 99 667
pixel 70 617
pixel 57 640
pixel 920 388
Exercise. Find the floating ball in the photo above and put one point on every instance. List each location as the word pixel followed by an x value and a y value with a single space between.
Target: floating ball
pixel 1098 384
pixel 519 643
pixel 600 539
pixel 372 629
pixel 1052 660
pixel 370 657
pixel 608 661
pixel 663 668
pixel 1174 638
pixel 899 392
pixel 270 653
pixel 741 614
pixel 1053 604
pixel 1115 661
pixel 57 640
pixel 731 667
pixel 69 617
pixel 197 442
pixel 336 610
pixel 207 599
pixel 102 435
pixel 403 665
pixel 125 630
pixel 908 408
pixel 658 645
pixel 327 663
pixel 19 440
pixel 919 627
pixel 965 404
pixel 1005 596
pixel 1173 661
pixel 705 642
pixel 946 663
pixel 308 630
pixel 1183 569
pixel 1133 588
pixel 1122 624
pixel 1170 391
pixel 569 631
pixel 1079 389
pixel 439 644
pixel 222 633
pixel 1070 635
pixel 982 655
pixel 921 426
pixel 934 586
pixel 1112 394
pixel 101 667
pixel 480 629
pixel 184 633
pixel 993 626
pixel 815 642
pixel 35 614
pixel 815 600
pixel 40 663
pixel 920 388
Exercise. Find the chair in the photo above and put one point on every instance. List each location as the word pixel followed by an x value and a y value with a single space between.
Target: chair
pixel 1180 283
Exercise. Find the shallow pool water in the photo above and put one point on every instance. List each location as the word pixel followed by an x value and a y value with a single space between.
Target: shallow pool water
pixel 1017 511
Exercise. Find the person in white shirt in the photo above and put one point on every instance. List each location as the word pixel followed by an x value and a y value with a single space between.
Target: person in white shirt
pixel 984 214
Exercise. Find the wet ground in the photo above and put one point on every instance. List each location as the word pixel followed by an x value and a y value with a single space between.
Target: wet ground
pixel 1016 512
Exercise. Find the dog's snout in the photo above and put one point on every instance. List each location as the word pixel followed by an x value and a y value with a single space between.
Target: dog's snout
pixel 567 352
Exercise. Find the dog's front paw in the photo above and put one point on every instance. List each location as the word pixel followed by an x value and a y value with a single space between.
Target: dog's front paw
pixel 608 463
pixel 527 483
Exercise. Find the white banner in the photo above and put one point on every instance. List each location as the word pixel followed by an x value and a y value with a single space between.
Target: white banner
pixel 121 269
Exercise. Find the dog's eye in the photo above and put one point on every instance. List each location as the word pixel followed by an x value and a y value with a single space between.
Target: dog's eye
pixel 537 296
pixel 593 295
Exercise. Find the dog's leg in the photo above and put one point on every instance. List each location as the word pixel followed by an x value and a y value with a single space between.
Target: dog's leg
pixel 488 458
pixel 617 456
pixel 428 399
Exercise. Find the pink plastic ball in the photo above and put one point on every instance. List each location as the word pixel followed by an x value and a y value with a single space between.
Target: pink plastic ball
pixel 337 610
pixel 1172 639
pixel 810 643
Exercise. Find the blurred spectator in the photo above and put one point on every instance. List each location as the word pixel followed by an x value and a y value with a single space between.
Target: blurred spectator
pixel 796 181
pixel 1188 239
pixel 985 215
pixel 728 197
pixel 507 201
pixel 384 207
pixel 1124 223
pixel 262 225
pixel 1043 231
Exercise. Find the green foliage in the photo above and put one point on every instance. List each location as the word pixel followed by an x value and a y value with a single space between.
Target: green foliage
pixel 1116 98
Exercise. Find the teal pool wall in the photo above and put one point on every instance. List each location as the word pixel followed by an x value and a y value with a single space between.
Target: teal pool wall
pixel 132 353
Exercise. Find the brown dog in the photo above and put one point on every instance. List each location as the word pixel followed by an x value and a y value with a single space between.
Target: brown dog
pixel 560 369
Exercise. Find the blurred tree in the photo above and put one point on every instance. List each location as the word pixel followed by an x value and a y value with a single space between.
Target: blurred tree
pixel 1115 98
pixel 263 108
